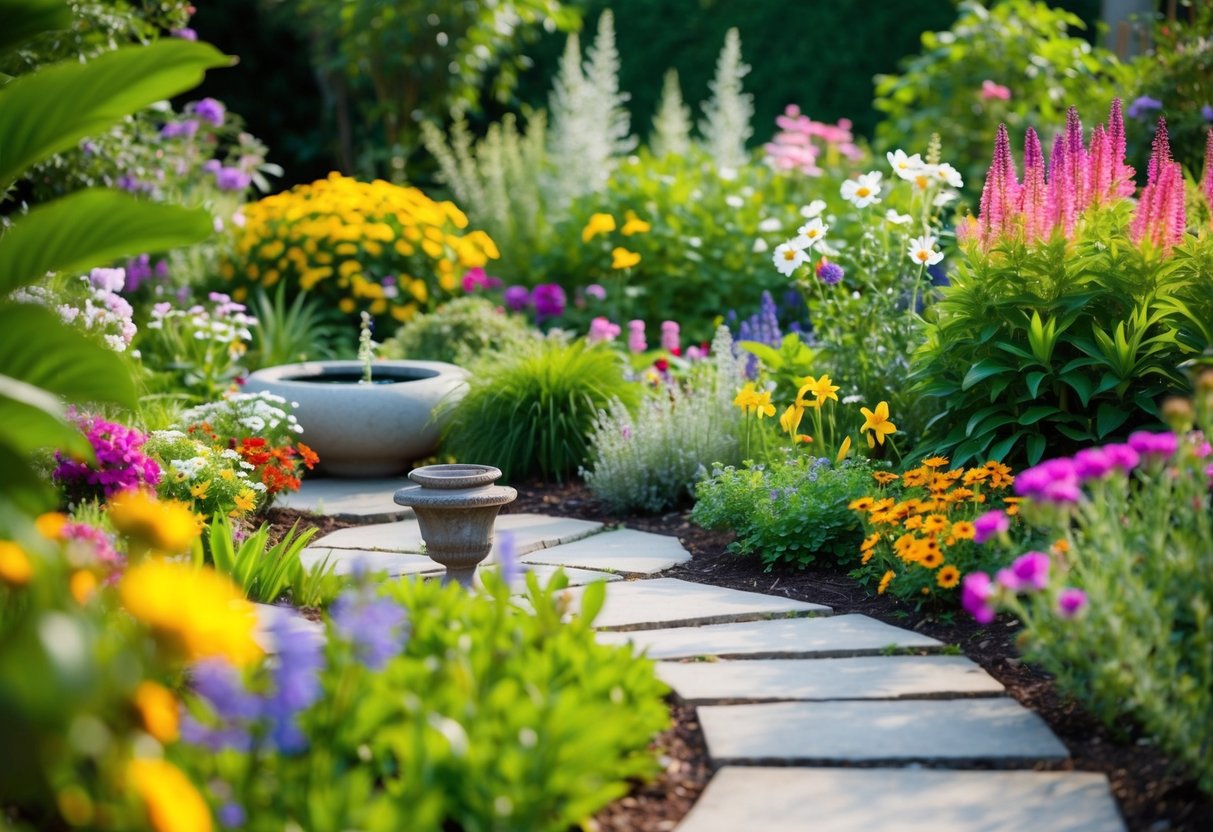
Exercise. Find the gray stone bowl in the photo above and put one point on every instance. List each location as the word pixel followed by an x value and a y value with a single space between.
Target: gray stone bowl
pixel 365 430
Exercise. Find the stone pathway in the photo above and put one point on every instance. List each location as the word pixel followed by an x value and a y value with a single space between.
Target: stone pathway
pixel 870 725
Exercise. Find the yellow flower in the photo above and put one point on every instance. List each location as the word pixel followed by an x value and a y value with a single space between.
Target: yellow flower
pixel 963 530
pixel 198 492
pixel 598 224
pixel 790 420
pixel 913 523
pixel 869 542
pixel 50 525
pixel 935 524
pixel 884 477
pixel 82 584
pixel 172 802
pixel 157 709
pixel 820 388
pixel 634 225
pixel 843 450
pixel 747 397
pixel 621 258
pixel 935 462
pixel 948 577
pixel 885 580
pixel 915 478
pixel 197 612
pixel 975 475
pixel 246 501
pixel 877 423
pixel 862 504
pixel 15 566
pixel 762 404
pixel 167 526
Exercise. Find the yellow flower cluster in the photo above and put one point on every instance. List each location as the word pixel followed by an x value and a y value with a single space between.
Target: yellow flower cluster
pixel 922 536
pixel 172 802
pixel 197 613
pixel 621 258
pixel 363 245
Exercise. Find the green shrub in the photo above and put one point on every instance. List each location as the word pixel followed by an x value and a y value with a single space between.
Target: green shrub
pixel 460 711
pixel 650 459
pixel 532 412
pixel 788 512
pixel 1023 45
pixel 460 331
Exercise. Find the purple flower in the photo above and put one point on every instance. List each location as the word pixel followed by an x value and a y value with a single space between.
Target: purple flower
pixel 517 298
pixel 107 280
pixel 121 463
pixel 220 684
pixel 1054 481
pixel 232 179
pixel 1008 579
pixel 179 129
pixel 128 183
pixel 830 273
pixel 595 291
pixel 1154 444
pixel 208 109
pixel 1206 112
pixel 990 524
pixel 375 626
pixel 1070 601
pixel 549 300
pixel 212 166
pixel 1092 463
pixel 1143 107
pixel 636 340
pixel 232 815
pixel 184 33
pixel 99 544
pixel 507 558
pixel 975 594
pixel 1122 457
pixel 296 681
pixel 1032 570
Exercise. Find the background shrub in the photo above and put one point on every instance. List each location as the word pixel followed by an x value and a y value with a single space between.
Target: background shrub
pixel 532 412
pixel 460 331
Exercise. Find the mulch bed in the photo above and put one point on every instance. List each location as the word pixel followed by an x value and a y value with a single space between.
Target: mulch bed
pixel 1151 796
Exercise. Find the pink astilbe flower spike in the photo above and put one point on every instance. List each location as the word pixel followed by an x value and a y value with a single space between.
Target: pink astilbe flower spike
pixel 1033 194
pixel 1160 216
pixel 1099 168
pixel 1055 199
pixel 1076 161
pixel 1000 195
pixel 1122 177
pixel 1206 184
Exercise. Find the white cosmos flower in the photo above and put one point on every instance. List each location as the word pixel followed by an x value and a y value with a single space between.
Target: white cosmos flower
pixel 813 209
pixel 943 198
pixel 922 251
pixel 903 165
pixel 863 191
pixel 788 258
pixel 924 177
pixel 760 246
pixel 769 225
pixel 949 175
pixel 814 231
pixel 896 218
pixel 734 201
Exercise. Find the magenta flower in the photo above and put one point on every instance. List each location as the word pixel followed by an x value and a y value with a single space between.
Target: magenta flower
pixel 976 593
pixel 1122 457
pixel 517 298
pixel 1160 216
pixel 994 92
pixel 121 463
pixel 549 300
pixel 1032 570
pixel 1092 463
pixel 1070 602
pixel 990 524
pixel 1053 481
pixel 669 336
pixel 636 340
pixel 1162 444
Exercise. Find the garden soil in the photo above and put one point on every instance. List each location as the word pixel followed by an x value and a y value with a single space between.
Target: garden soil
pixel 1152 797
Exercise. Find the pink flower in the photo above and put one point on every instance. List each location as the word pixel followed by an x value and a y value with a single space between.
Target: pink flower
pixel 1070 601
pixel 1092 463
pixel 990 524
pixel 602 331
pixel 1032 570
pixel 975 595
pixel 636 341
pixel 994 92
pixel 1154 444
pixel 1161 217
pixel 669 336
pixel 1122 457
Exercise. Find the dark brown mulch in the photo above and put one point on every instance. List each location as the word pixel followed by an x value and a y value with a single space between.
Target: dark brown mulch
pixel 1152 797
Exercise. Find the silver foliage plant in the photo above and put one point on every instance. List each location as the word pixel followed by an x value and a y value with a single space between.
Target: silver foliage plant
pixel 650 461
pixel 727 114
pixel 672 123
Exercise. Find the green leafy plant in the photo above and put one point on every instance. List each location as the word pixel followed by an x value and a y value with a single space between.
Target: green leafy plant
pixel 533 412
pixel 265 572
pixel 287 333
pixel 461 331
pixel 788 512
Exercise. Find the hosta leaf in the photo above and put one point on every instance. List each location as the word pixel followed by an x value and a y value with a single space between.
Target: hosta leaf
pixel 982 370
pixel 1037 412
pixel 1109 417
pixel 1002 447
pixel 1033 380
pixel 1036 448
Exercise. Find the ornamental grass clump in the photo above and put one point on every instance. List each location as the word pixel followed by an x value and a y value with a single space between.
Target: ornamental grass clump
pixel 648 460
pixel 1120 607
pixel 532 413
pixel 371 246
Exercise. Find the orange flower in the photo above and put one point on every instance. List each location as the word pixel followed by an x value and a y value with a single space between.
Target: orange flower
pixel 884 477
pixel 885 580
pixel 963 530
pixel 309 456
pixel 1060 547
pixel 935 524
pixel 50 525
pixel 157 709
pixel 869 542
pixel 948 577
pixel 931 558
pixel 935 462
pixel 914 478
pixel 913 523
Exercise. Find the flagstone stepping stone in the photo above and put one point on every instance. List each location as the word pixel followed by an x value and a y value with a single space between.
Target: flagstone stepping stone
pixel 363 501
pixel 577 577
pixel 866 677
pixel 908 800
pixel 623 550
pixel 531 532
pixel 283 621
pixel 808 733
pixel 669 602
pixel 347 561
pixel 785 638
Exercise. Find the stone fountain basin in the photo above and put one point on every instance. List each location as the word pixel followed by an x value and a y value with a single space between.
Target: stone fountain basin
pixel 365 430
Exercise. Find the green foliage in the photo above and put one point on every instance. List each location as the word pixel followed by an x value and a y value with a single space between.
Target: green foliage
pixel 1024 45
pixel 532 412
pixel 289 333
pixel 649 460
pixel 461 331
pixel 786 366
pixel 788 512
pixel 265 572
pixel 30 18
pixel 1037 348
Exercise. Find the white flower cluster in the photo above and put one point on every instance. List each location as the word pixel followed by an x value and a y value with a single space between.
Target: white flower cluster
pixel 794 253
pixel 227 323
pixel 191 460
pixel 100 309
pixel 255 412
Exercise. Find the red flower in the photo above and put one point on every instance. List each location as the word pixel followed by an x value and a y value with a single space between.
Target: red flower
pixel 309 456
pixel 661 364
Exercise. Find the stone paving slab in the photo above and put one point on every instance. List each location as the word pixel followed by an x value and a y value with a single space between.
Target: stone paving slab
pixel 346 560
pixel 786 638
pixel 669 602
pixel 531 532
pixel 905 800
pixel 807 733
pixel 866 677
pixel 577 577
pixel 623 550
pixel 285 622
pixel 364 501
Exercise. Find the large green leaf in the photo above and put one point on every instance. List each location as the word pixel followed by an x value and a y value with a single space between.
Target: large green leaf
pixel 51 109
pixel 25 18
pixel 91 227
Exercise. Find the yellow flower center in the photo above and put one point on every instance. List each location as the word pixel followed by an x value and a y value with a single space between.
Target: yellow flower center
pixel 863 191
pixel 790 254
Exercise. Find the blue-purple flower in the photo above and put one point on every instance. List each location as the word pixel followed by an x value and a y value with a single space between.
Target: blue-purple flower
pixel 517 298
pixel 208 109
pixel 549 300
pixel 1143 107
pixel 376 627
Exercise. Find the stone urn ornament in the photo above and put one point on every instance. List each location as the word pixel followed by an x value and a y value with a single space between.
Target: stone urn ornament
pixel 456 506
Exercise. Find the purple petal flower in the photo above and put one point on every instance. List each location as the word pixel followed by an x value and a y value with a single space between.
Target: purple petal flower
pixel 1154 444
pixel 208 109
pixel 232 815
pixel 232 179
pixel 549 300
pixel 1122 457
pixel 595 291
pixel 212 166
pixel 1143 107
pixel 830 273
pixel 1092 463
pixel 1070 601
pixel 989 525
pixel 107 280
pixel 1206 112
pixel 374 626
pixel 184 33
pixel 507 558
pixel 1032 570
pixel 1008 579
pixel 517 298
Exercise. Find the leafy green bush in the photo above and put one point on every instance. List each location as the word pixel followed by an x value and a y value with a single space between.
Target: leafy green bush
pixel 451 710
pixel 788 512
pixel 532 412
pixel 460 331
pixel 1121 614
pixel 1023 46
pixel 263 570
pixel 650 459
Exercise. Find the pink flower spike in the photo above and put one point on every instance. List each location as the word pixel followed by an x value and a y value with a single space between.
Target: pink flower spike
pixel 1206 183
pixel 1070 602
pixel 1034 195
